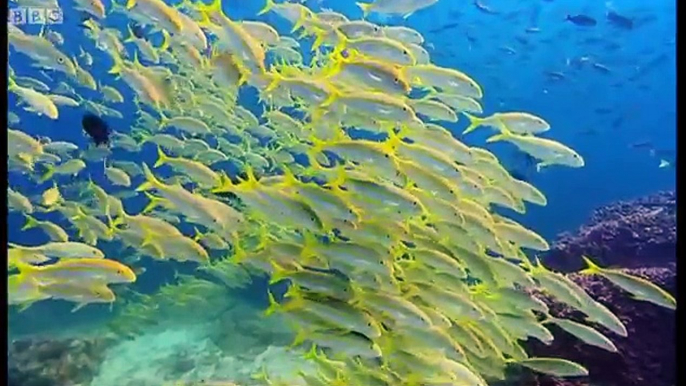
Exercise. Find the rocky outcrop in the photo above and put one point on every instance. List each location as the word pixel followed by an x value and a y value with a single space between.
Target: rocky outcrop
pixel 626 234
pixel 646 357
pixel 50 362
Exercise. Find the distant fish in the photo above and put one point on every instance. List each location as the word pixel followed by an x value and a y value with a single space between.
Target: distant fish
pixel 602 68
pixel 589 131
pixel 642 145
pixel 444 27
pixel 555 75
pixel 620 21
pixel 532 30
pixel 96 128
pixel 581 20
pixel 484 8
pixel 603 110
pixel 509 50
pixel 617 122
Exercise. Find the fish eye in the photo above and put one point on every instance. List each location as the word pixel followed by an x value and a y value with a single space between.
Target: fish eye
pixel 60 60
pixel 404 108
pixel 396 80
pixel 386 155
pixel 452 191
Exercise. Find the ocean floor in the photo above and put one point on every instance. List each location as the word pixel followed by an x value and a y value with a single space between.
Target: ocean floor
pixel 189 355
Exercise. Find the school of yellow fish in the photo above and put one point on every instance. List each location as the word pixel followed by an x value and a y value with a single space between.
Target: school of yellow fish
pixel 401 272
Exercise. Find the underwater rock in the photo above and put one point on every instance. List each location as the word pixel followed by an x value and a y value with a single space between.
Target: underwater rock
pixel 646 357
pixel 627 234
pixel 49 362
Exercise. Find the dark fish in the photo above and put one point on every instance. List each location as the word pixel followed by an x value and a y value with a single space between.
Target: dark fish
pixel 97 129
pixel 619 21
pixel 617 122
pixel 484 8
pixel 590 131
pixel 602 68
pixel 642 145
pixel 581 20
pixel 444 27
pixel 555 75
pixel 137 30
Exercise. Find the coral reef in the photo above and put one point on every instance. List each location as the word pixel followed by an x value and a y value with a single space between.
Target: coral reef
pixel 50 362
pixel 627 234
pixel 647 357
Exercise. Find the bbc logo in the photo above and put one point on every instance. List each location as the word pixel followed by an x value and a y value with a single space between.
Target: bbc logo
pixel 35 15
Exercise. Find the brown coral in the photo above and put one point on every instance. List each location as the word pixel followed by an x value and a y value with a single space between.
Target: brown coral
pixel 626 234
pixel 647 357
pixel 50 362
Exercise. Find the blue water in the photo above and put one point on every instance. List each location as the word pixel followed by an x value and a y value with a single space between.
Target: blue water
pixel 512 67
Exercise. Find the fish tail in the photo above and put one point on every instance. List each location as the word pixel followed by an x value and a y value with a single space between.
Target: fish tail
pixel 314 151
pixel 312 354
pixel 319 34
pixel 129 4
pixel 278 273
pixel 289 179
pixel 132 36
pixel 267 7
pixel 113 223
pixel 301 20
pixel 498 137
pixel 273 304
pixel 25 269
pixel 474 122
pixel 225 184
pixel 11 83
pixel 591 267
pixel 214 8
pixel 276 78
pixel 117 66
pixel 341 44
pixel 308 250
pixel 31 222
pixel 365 7
pixel 198 235
pixel 161 158
pixel 49 172
pixel 154 202
pixel 150 180
pixel 165 40
pixel 147 239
